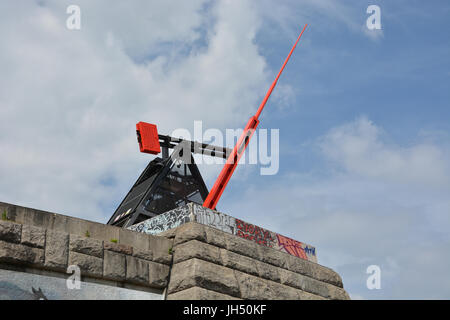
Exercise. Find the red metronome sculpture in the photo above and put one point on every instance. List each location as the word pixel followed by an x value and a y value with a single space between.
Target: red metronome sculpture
pixel 156 189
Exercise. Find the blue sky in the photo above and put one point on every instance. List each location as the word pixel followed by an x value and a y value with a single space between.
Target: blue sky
pixel 363 118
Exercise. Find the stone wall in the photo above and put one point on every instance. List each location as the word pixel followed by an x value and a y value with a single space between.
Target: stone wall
pixel 209 263
pixel 192 261
pixel 34 241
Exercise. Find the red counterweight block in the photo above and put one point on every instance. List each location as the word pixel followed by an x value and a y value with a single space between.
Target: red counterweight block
pixel 148 139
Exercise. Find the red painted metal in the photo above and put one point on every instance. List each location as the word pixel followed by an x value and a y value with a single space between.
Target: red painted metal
pixel 232 161
pixel 148 138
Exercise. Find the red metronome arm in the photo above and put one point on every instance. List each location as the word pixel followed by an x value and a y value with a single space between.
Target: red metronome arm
pixel 232 161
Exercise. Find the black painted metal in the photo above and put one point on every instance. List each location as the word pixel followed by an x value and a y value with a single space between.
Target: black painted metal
pixel 166 183
pixel 196 147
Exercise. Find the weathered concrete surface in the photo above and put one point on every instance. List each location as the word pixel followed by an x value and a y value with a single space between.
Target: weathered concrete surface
pixel 10 232
pixel 20 254
pixel 89 246
pixel 114 266
pixel 158 274
pixel 57 250
pixel 137 270
pixel 33 236
pixel 89 265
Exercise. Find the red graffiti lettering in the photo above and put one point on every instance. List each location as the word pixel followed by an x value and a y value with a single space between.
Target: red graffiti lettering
pixel 292 246
pixel 239 224
pixel 254 233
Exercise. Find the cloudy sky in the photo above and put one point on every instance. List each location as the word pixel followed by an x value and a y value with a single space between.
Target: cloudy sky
pixel 363 118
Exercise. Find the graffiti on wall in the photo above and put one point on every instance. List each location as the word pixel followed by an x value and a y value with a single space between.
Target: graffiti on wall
pixel 197 213
pixel 292 246
pixel 215 219
pixel 254 233
pixel 164 222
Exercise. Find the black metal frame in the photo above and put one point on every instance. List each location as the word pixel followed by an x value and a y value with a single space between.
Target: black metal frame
pixel 133 210
pixel 167 142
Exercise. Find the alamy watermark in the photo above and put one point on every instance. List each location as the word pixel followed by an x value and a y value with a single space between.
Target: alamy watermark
pixel 374 20
pixel 73 22
pixel 74 280
pixel 263 148
pixel 374 280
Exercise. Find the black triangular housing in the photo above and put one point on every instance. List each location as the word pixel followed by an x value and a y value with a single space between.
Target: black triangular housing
pixel 165 184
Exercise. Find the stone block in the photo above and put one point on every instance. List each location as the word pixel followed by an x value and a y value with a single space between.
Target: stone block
pixel 56 249
pixel 170 234
pixel 216 237
pixel 190 231
pixel 96 230
pixel 268 271
pixel 313 286
pixel 164 259
pixel 254 288
pixel 119 248
pixel 314 270
pixel 316 287
pixel 327 275
pixel 273 256
pixel 33 236
pixel 59 223
pixel 158 274
pixel 20 254
pixel 292 279
pixel 238 262
pixel 143 254
pixel 89 265
pixel 85 245
pixel 10 231
pixel 196 249
pixel 114 266
pixel 336 293
pixel 134 239
pixel 161 248
pixel 9 210
pixel 137 270
pixel 243 247
pixel 199 273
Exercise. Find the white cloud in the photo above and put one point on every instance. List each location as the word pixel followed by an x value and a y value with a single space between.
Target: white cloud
pixel 359 148
pixel 322 15
pixel 70 99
